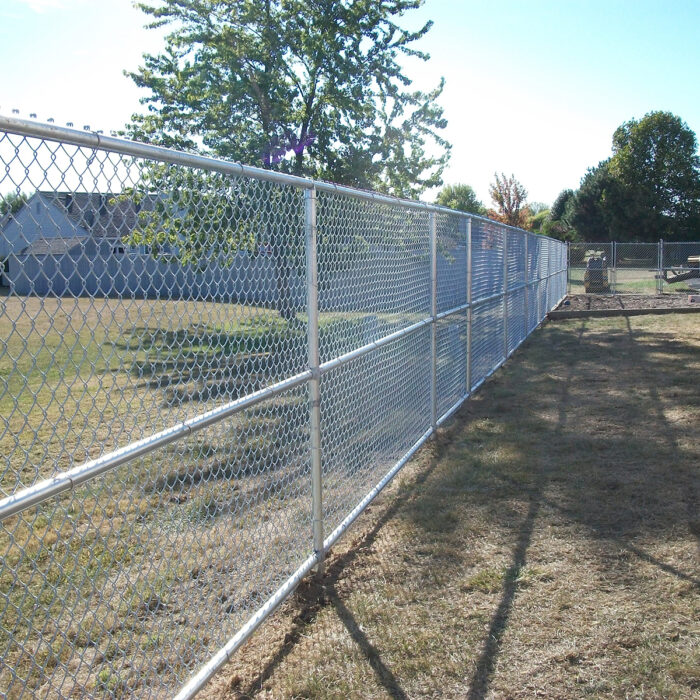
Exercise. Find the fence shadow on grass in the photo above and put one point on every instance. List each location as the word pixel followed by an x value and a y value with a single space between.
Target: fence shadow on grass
pixel 203 363
pixel 479 683
pixel 314 594
pixel 576 427
pixel 641 471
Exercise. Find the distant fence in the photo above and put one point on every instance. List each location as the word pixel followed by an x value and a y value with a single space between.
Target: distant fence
pixel 174 465
pixel 636 268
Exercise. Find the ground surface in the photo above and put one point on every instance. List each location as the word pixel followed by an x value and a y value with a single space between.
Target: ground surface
pixel 579 302
pixel 125 586
pixel 545 546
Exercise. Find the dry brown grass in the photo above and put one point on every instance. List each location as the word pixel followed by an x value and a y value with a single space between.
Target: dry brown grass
pixel 545 546
pixel 129 583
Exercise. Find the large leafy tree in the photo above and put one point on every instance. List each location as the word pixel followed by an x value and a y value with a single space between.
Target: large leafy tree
pixel 648 189
pixel 656 165
pixel 561 205
pixel 461 197
pixel 597 205
pixel 557 221
pixel 309 87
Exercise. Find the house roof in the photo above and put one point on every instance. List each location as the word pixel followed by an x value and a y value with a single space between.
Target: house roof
pixel 55 246
pixel 102 214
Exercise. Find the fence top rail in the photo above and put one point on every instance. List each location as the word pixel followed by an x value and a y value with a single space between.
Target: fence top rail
pixel 113 144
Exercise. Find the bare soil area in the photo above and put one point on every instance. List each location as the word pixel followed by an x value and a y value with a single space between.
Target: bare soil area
pixel 585 302
pixel 546 545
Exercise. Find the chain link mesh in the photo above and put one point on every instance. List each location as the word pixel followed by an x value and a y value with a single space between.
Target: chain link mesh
pixel 634 268
pixel 680 267
pixel 150 301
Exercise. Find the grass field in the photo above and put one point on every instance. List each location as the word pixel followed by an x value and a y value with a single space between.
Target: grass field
pixel 128 584
pixel 79 377
pixel 546 546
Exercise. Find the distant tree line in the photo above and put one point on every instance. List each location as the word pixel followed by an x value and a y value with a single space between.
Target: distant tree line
pixel 509 199
pixel 648 189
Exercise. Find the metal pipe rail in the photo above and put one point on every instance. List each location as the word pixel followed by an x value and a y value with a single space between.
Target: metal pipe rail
pixel 68 480
pixel 112 144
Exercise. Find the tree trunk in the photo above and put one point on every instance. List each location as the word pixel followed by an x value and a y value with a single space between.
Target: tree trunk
pixel 285 302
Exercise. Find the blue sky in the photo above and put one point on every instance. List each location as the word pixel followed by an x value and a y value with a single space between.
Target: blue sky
pixel 535 88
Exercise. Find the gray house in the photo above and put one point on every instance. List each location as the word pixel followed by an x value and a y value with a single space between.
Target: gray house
pixel 73 244
pixel 66 224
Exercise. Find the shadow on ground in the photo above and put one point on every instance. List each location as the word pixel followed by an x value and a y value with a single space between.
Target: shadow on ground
pixel 548 545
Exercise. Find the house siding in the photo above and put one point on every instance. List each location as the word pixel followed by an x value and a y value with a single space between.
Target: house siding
pixel 248 279
pixel 38 219
pixel 91 267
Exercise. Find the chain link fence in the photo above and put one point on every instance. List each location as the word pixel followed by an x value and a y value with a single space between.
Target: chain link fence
pixel 634 268
pixel 207 372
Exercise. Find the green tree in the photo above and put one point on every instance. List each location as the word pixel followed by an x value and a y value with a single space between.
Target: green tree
pixel 558 221
pixel 539 220
pixel 12 202
pixel 509 198
pixel 462 198
pixel 592 210
pixel 656 165
pixel 309 87
pixel 559 207
pixel 648 189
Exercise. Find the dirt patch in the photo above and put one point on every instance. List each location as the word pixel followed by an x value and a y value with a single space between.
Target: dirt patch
pixel 594 302
pixel 546 545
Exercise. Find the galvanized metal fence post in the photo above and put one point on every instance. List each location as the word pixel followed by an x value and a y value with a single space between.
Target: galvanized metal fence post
pixel 539 283
pixel 469 306
pixel 568 267
pixel 614 267
pixel 660 266
pixel 315 381
pixel 505 294
pixel 433 325
pixel 527 291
